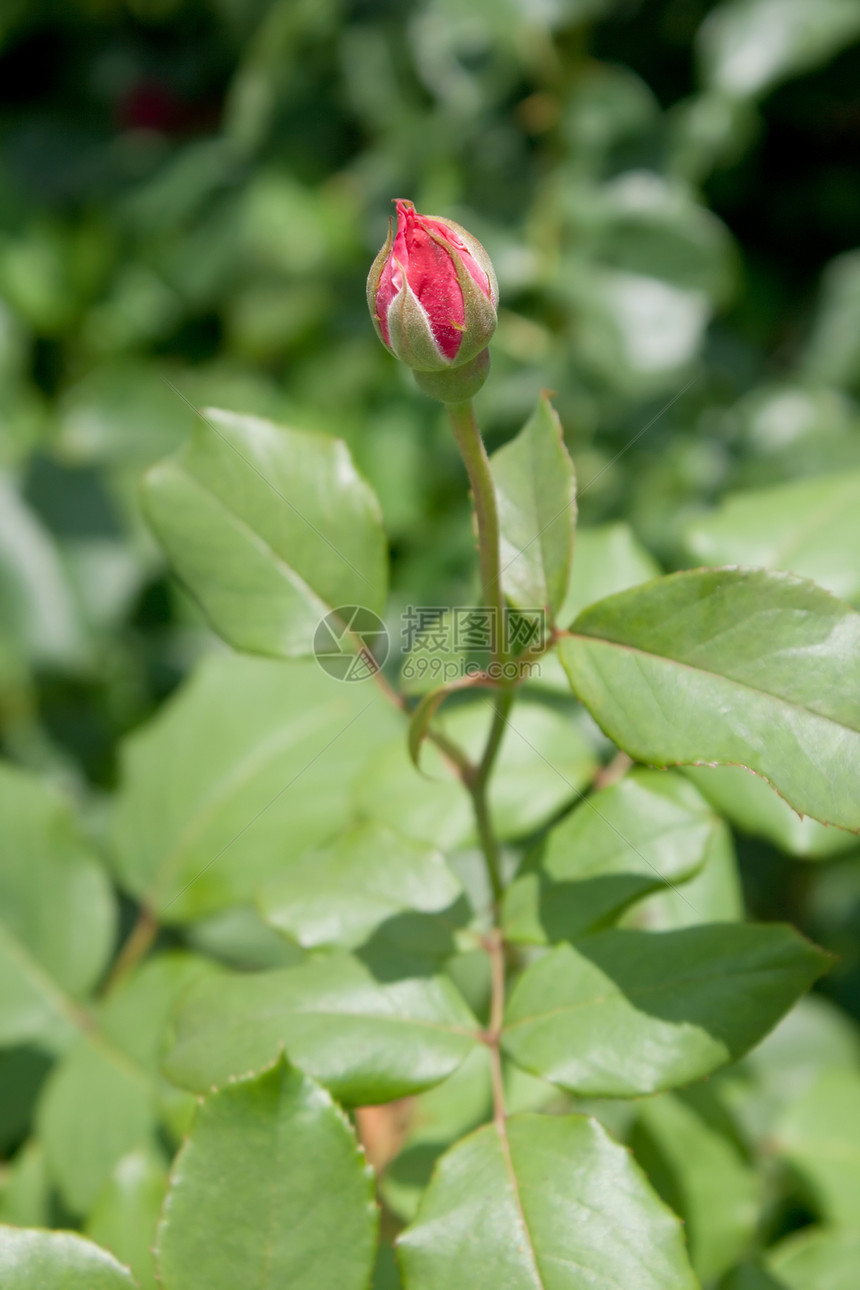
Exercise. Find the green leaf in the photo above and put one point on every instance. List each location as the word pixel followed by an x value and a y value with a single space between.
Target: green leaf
pixel 625 1013
pixel 810 527
pixel 106 1097
pixel 644 833
pixel 641 224
pixel 751 1276
pixel 726 665
pixel 271 1190
pixel 97 1105
pixel 367 1040
pixel 22 1073
pixel 712 895
pixel 40 621
pixel 642 330
pixel 136 1011
pixel 536 496
pixel 814 1037
pixel 57 914
pixel 369 881
pixel 833 353
pixel 608 559
pixel 271 528
pixel 817 1260
pixel 553 1205
pixel 25 1188
pixel 125 1215
pixel 247 768
pixel 747 46
pixel 386 1275
pixel 751 806
pixel 238 938
pixel 686 1144
pixel 61 1260
pixel 543 764
pixel 121 411
pixel 820 1134
pixel 648 264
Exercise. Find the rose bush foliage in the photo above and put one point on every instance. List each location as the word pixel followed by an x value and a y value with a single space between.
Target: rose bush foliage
pixel 417 982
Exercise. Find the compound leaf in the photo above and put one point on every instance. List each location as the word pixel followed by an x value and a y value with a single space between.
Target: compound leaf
pixel 627 1012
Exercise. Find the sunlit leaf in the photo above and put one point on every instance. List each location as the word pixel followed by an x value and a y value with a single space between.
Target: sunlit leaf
pixel 640 835
pixel 124 1218
pixel 365 1039
pixel 271 528
pixel 816 1259
pixel 536 492
pixel 61 1260
pixel 747 46
pixel 730 666
pixel 810 527
pixel 369 881
pixel 820 1134
pixel 270 1189
pixel 247 768
pixel 554 1205
pixel 752 807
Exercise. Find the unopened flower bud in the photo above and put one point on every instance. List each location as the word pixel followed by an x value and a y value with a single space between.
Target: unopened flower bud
pixel 432 295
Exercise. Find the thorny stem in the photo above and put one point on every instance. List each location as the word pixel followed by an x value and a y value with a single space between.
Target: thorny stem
pixel 475 777
pixel 477 465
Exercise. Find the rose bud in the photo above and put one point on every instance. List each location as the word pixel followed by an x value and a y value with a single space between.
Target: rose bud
pixel 432 294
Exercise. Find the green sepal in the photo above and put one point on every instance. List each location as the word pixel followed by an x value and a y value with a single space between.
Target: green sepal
pixel 456 384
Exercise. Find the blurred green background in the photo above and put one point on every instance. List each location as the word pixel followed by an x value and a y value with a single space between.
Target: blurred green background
pixel 191 192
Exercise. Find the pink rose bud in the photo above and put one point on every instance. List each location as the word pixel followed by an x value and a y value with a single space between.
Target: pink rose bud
pixel 432 293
